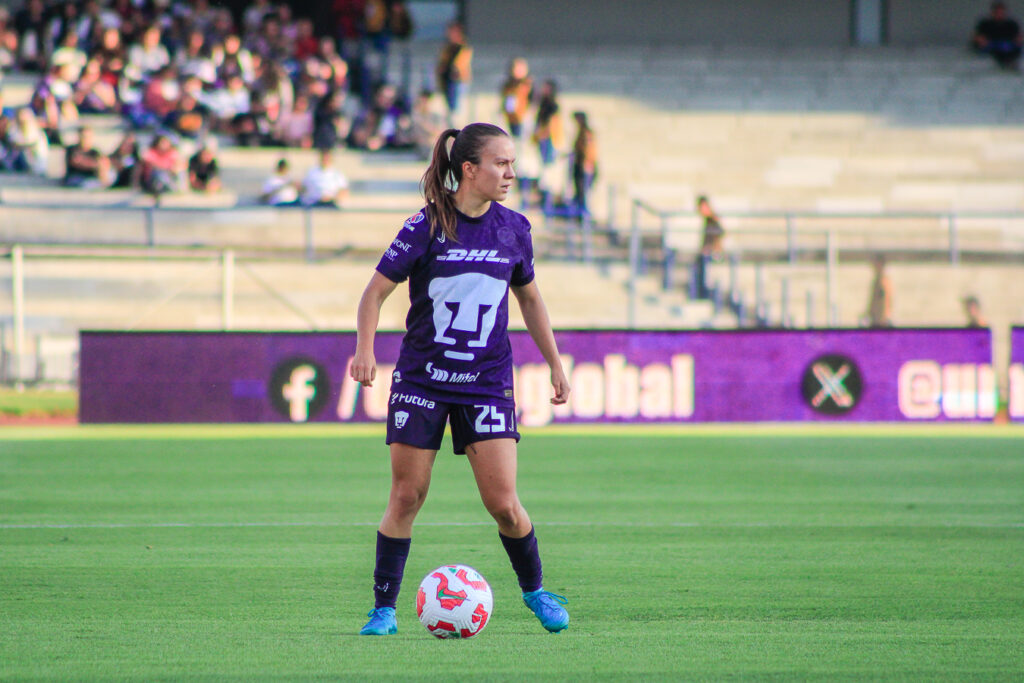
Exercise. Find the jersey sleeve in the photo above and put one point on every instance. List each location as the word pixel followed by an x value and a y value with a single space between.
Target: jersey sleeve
pixel 523 273
pixel 408 247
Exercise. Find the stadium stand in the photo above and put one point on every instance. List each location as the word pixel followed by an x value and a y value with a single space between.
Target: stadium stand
pixel 768 132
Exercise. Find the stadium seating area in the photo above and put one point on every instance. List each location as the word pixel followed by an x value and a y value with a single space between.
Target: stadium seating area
pixel 764 132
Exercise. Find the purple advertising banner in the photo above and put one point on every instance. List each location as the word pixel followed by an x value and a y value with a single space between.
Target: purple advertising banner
pixel 1015 386
pixel 617 376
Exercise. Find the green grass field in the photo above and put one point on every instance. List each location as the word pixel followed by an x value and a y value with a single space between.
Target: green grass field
pixel 245 553
pixel 34 402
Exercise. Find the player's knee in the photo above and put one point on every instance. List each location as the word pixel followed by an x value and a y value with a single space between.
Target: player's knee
pixel 407 499
pixel 505 512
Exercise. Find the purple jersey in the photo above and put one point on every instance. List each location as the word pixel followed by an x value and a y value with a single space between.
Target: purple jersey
pixel 456 342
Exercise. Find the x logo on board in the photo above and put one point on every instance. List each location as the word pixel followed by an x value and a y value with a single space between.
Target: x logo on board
pixel 832 384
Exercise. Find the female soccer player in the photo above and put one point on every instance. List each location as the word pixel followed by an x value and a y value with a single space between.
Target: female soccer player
pixel 461 254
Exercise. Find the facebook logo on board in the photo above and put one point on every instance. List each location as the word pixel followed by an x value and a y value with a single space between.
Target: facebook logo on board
pixel 299 389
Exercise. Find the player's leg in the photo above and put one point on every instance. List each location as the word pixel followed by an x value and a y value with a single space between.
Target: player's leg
pixel 415 428
pixel 493 457
pixel 410 481
pixel 494 464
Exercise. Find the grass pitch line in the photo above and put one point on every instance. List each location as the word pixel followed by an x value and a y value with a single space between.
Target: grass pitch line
pixel 341 431
pixel 638 525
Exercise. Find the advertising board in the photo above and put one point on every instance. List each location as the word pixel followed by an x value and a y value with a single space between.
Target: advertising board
pixel 617 376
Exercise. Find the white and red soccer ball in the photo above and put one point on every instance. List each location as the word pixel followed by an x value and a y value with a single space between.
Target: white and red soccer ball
pixel 454 601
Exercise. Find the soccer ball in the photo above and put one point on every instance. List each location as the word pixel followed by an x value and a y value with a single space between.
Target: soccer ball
pixel 454 601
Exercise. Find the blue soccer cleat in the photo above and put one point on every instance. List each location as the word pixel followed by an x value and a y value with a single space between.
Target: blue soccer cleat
pixel 382 622
pixel 548 608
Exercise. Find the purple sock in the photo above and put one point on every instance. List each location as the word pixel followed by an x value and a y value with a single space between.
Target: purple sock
pixel 525 558
pixel 388 571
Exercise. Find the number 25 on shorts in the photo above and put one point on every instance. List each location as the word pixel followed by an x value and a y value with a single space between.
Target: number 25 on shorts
pixel 490 420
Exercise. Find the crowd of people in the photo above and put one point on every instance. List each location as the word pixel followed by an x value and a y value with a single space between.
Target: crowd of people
pixel 534 118
pixel 188 71
pixel 182 73
pixel 188 67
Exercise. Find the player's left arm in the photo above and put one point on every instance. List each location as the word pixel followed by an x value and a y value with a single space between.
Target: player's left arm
pixel 538 323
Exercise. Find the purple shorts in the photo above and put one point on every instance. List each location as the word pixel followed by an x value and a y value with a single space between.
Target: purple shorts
pixel 419 421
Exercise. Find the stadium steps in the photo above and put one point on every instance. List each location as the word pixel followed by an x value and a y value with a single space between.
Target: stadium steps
pixel 122 291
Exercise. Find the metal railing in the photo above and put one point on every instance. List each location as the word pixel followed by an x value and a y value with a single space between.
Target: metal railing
pixel 803 236
pixel 153 226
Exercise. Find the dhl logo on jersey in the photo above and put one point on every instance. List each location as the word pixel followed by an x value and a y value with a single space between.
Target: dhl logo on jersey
pixel 487 255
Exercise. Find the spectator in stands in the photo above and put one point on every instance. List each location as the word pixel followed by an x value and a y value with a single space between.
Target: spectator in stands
pixel 125 162
pixel 7 123
pixel 237 61
pixel 516 93
pixel 348 17
pixel 223 25
pixel 333 68
pixel 549 132
pixel 426 124
pixel 62 22
pixel 190 116
pixel 329 122
pixel 270 44
pixel 306 44
pixel 289 31
pixel 29 148
pixel 112 56
pixel 30 25
pixel 377 43
pixel 713 234
pixel 274 87
pixel 549 138
pixel 255 13
pixel 972 309
pixel 401 28
pixel 295 127
pixel 382 124
pixel 161 167
pixel 92 94
pixel 279 189
pixel 84 165
pixel 313 81
pixel 193 59
pixel 159 97
pixel 999 35
pixel 8 42
pixel 584 162
pixel 203 172
pixel 53 102
pixel 70 56
pixel 879 313
pixel 324 185
pixel 95 17
pixel 148 56
pixel 454 69
pixel 710 248
pixel 228 105
pixel 252 128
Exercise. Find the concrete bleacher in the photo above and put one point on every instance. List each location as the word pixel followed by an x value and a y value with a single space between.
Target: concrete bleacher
pixel 119 290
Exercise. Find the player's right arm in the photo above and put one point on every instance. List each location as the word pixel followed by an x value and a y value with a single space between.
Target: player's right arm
pixel 364 365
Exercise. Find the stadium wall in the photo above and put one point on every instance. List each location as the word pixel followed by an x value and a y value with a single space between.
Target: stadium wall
pixel 933 22
pixel 698 22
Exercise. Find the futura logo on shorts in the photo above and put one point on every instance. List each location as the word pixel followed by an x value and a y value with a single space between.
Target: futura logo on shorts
pixel 412 399
pixel 440 375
